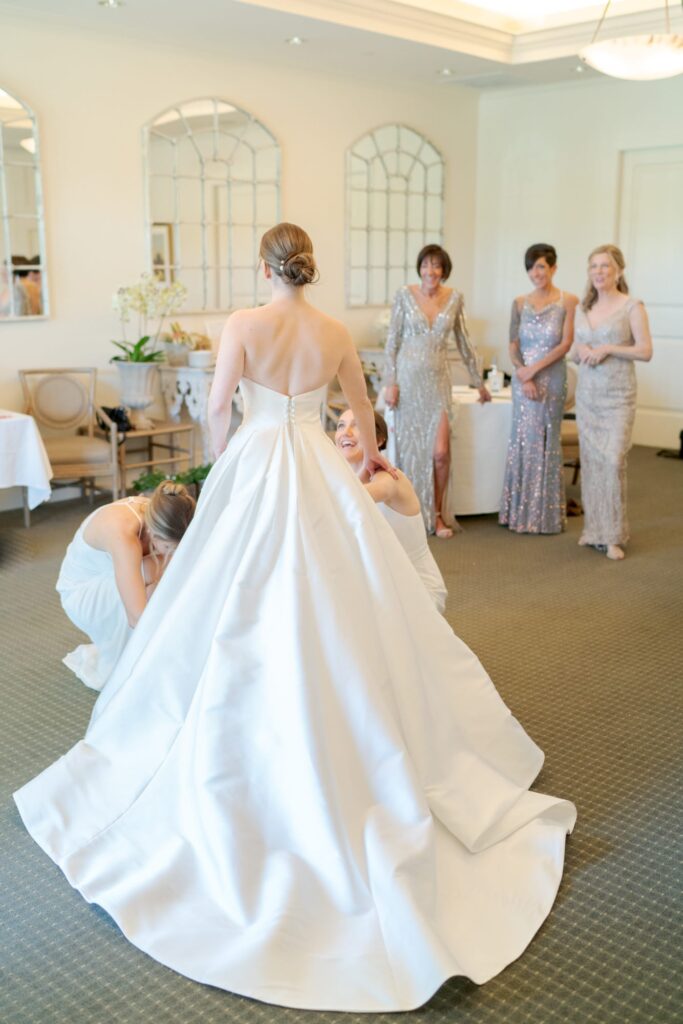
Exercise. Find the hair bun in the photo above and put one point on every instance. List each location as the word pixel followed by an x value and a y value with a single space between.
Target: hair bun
pixel 172 488
pixel 299 268
pixel 288 251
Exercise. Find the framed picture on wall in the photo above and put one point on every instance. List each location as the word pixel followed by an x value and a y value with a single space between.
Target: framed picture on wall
pixel 162 252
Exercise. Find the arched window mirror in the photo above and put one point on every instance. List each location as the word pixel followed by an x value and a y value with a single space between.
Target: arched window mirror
pixel 394 206
pixel 23 273
pixel 213 188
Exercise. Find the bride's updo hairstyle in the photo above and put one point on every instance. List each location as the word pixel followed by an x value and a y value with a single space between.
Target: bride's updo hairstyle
pixel 288 251
pixel 617 257
pixel 169 511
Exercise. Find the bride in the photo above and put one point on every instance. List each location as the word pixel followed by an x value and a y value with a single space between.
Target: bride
pixel 298 784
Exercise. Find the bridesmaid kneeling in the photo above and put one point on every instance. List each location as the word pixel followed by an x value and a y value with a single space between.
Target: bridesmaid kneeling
pixel 110 569
pixel 397 501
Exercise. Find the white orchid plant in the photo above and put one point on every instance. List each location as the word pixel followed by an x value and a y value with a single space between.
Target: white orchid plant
pixel 150 299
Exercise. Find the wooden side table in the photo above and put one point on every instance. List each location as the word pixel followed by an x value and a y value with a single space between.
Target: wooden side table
pixel 173 440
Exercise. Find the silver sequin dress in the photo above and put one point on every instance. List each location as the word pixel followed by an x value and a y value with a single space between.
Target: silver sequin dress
pixel 417 360
pixel 605 411
pixel 533 498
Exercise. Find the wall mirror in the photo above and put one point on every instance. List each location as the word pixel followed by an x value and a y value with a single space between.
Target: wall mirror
pixel 394 206
pixel 213 188
pixel 23 273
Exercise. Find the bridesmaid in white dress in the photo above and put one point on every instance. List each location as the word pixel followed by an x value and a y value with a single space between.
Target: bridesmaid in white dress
pixel 611 333
pixel 110 569
pixel 397 501
pixel 298 784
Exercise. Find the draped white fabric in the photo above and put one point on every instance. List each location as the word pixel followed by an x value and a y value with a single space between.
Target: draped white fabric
pixel 23 459
pixel 298 784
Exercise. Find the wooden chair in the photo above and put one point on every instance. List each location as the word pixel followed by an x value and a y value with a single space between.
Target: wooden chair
pixel 569 434
pixel 62 402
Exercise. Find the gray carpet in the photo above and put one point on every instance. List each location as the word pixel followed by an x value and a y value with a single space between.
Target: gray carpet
pixel 587 653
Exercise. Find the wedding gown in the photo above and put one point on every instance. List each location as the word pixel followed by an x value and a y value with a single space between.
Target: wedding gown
pixel 298 784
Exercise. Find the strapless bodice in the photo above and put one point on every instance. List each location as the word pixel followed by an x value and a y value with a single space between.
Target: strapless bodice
pixel 263 406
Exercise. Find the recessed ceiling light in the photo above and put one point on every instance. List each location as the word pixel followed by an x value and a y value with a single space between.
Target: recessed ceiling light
pixel 111 3
pixel 579 69
pixel 296 41
pixel 446 73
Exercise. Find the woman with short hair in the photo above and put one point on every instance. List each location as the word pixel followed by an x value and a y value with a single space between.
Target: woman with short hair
pixel 541 333
pixel 418 383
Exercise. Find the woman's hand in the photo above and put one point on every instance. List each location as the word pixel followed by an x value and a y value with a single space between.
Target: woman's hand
pixel 525 373
pixel 529 390
pixel 391 393
pixel 584 352
pixel 484 394
pixel 597 355
pixel 373 463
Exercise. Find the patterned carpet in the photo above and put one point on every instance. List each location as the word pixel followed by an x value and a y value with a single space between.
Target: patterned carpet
pixel 587 653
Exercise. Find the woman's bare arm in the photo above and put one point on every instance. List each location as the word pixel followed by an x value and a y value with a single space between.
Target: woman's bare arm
pixel 640 352
pixel 352 380
pixel 229 370
pixel 126 555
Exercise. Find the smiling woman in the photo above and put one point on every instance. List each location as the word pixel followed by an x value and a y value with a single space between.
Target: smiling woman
pixel 418 383
pixel 612 332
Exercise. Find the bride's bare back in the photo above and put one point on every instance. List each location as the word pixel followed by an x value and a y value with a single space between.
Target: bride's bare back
pixel 289 347
pixel 293 349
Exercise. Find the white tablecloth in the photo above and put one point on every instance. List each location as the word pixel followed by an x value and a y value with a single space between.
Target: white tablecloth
pixel 479 441
pixel 23 459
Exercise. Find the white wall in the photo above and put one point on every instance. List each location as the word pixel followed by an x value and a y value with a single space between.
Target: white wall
pixel 550 169
pixel 92 94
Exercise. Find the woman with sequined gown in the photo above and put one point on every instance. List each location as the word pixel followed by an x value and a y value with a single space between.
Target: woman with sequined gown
pixel 541 327
pixel 612 332
pixel 418 384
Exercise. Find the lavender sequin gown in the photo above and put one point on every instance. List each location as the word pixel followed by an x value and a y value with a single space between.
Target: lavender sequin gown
pixel 533 498
pixel 605 411
pixel 417 360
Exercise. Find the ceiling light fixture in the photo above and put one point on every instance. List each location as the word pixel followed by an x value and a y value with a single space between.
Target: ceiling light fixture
pixel 637 58
pixel 445 73
pixel 111 3
pixel 296 41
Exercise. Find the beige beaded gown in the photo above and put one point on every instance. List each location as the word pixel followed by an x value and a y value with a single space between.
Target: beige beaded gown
pixel 417 360
pixel 605 411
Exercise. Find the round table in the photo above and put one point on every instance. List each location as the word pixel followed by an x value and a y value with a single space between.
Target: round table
pixel 23 459
pixel 479 441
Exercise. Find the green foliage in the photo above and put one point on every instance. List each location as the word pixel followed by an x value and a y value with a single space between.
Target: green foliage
pixel 148 481
pixel 137 352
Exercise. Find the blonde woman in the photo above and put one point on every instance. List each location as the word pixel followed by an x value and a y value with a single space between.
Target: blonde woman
pixel 611 333
pixel 110 569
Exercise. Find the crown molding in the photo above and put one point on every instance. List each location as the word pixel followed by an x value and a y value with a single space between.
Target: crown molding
pixel 388 18
pixel 430 27
pixel 564 41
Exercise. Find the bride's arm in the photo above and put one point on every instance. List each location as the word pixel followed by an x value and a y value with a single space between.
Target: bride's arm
pixel 352 380
pixel 229 370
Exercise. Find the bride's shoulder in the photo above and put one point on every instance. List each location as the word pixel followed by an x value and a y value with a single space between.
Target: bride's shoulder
pixel 333 327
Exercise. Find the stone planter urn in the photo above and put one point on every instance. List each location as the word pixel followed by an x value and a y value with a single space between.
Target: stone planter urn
pixel 137 390
pixel 176 355
pixel 201 358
